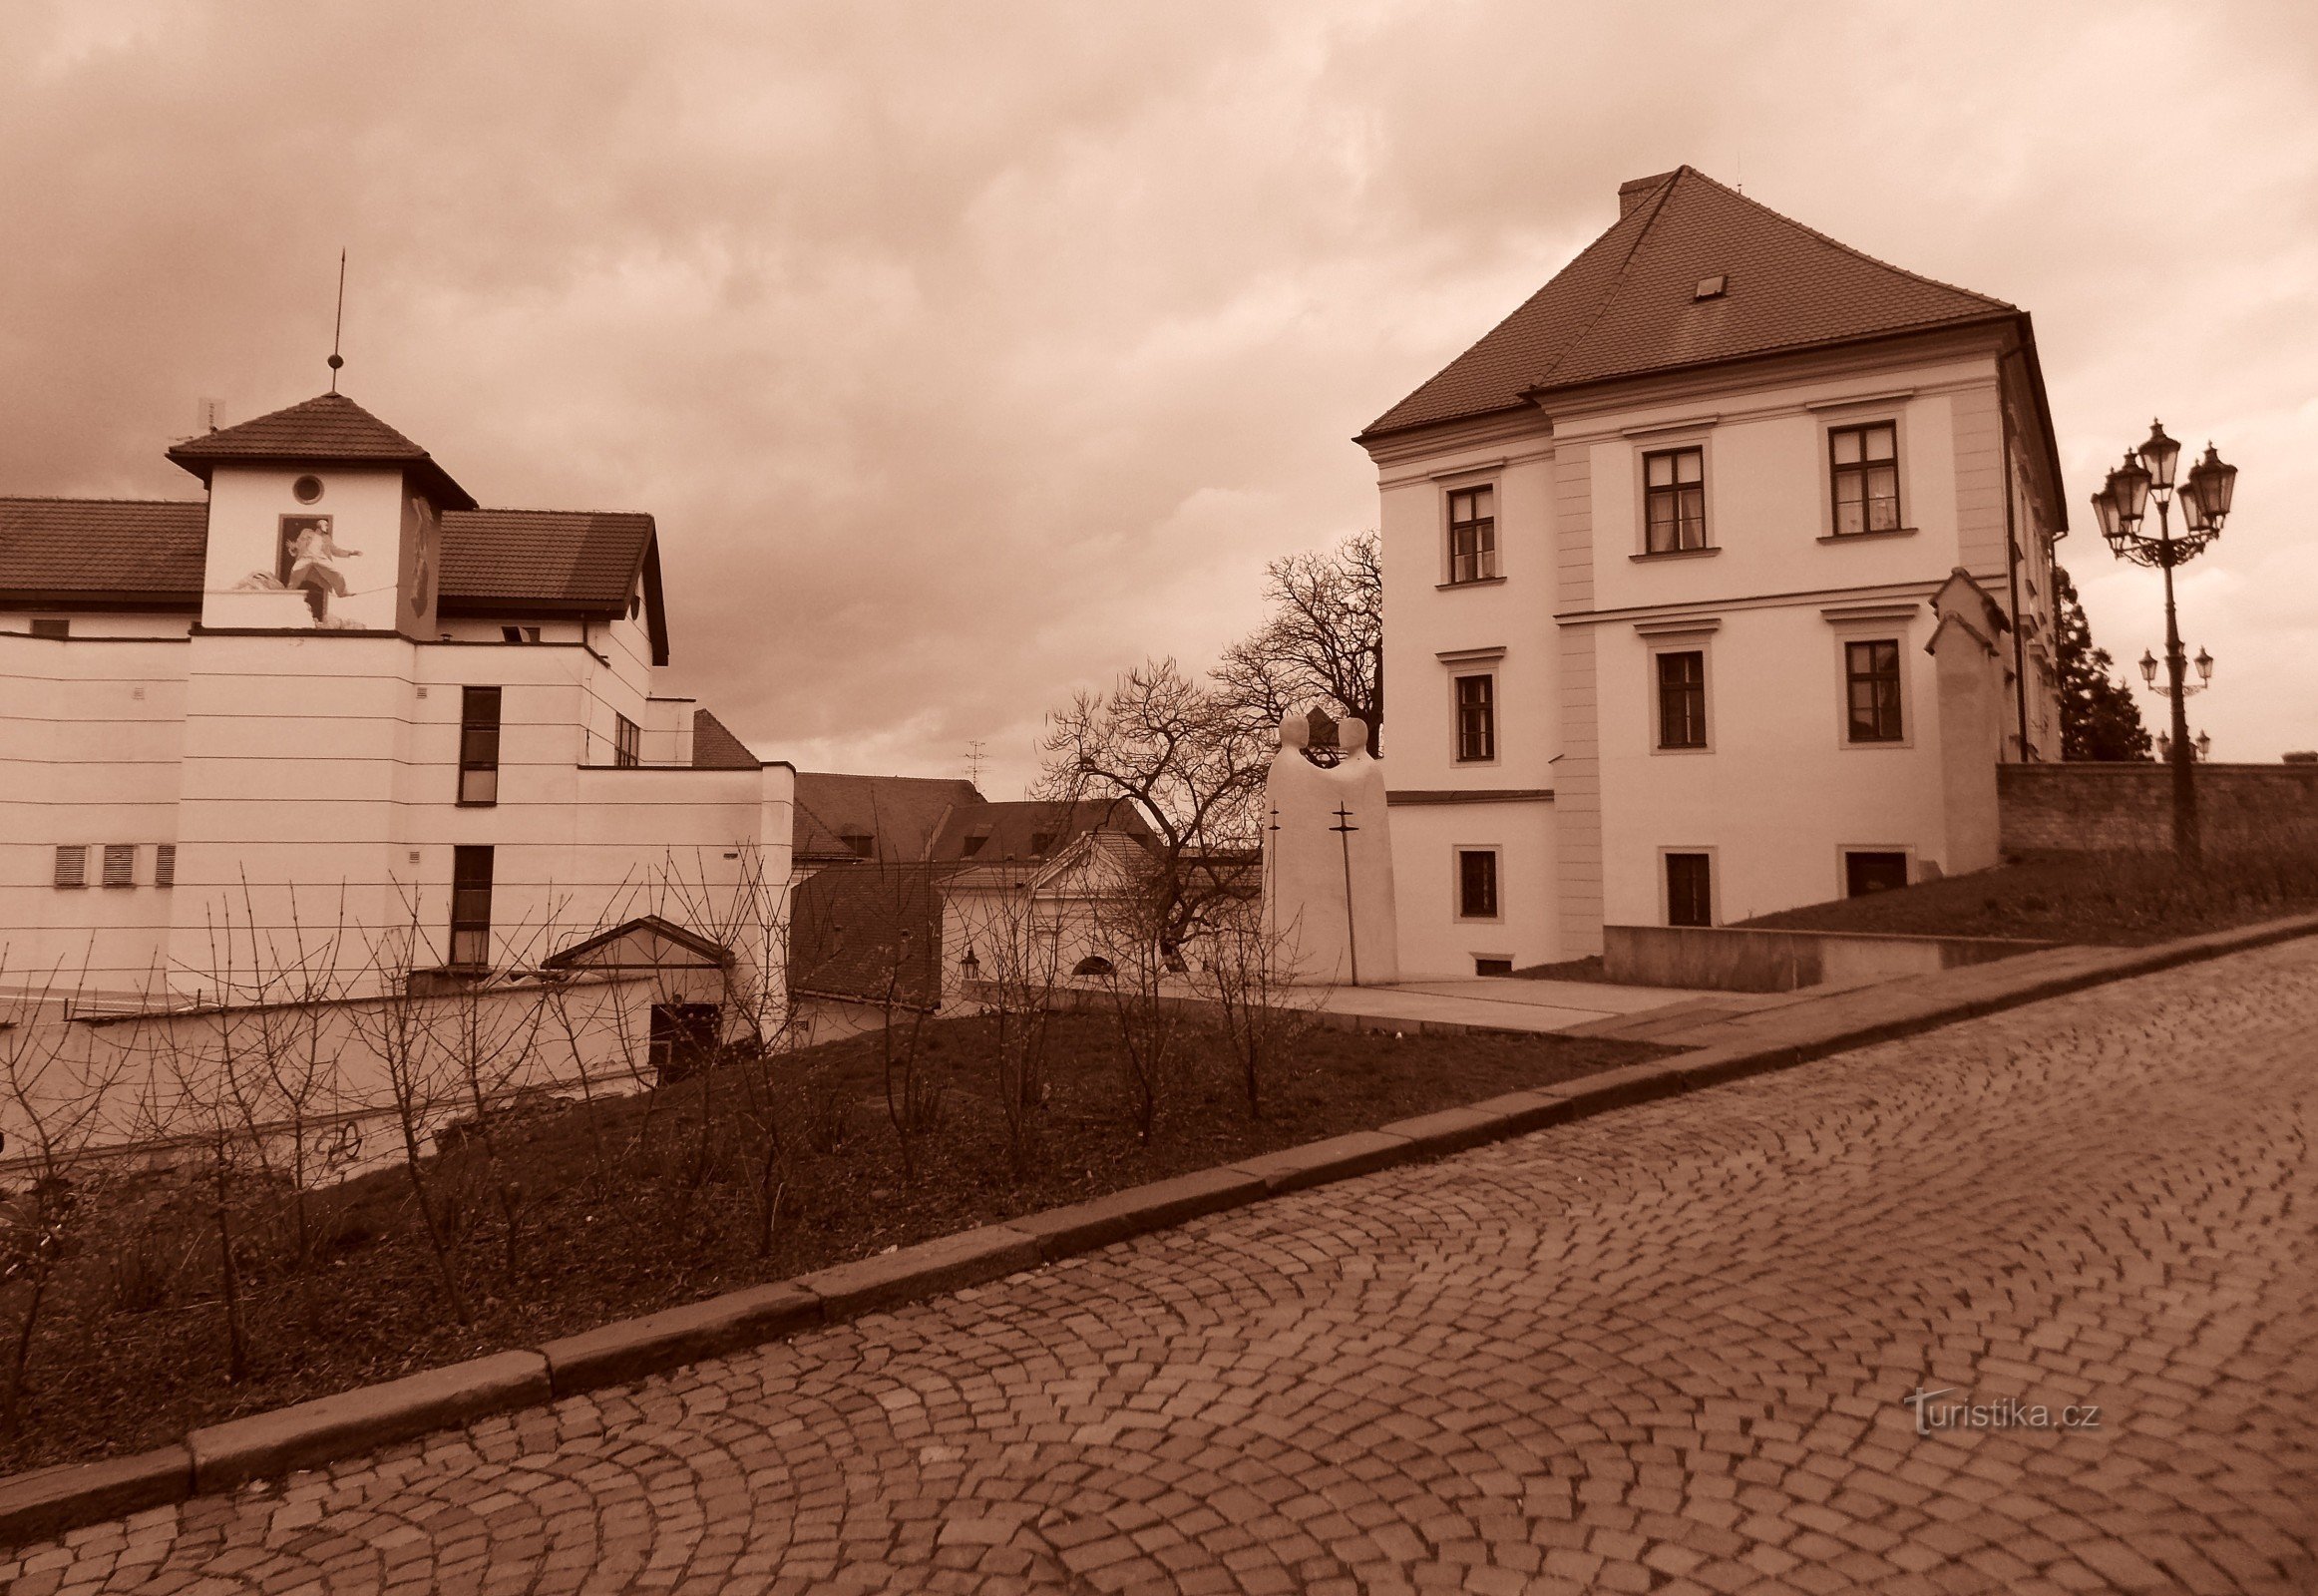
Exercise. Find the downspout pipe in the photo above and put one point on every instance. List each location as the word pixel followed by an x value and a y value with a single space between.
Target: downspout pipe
pixel 2012 579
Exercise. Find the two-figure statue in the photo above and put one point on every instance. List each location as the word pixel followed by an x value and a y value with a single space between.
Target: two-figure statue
pixel 1328 859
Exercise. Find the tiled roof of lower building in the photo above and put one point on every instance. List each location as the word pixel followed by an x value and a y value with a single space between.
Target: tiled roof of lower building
pixel 716 748
pixel 578 557
pixel 119 551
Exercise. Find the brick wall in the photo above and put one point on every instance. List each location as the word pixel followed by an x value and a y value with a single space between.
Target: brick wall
pixel 2074 808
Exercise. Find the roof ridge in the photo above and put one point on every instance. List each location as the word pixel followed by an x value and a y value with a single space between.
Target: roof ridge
pixel 528 510
pixel 1850 249
pixel 1657 203
pixel 77 498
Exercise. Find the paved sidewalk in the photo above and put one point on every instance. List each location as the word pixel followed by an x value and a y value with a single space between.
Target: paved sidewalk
pixel 1661 1350
pixel 1504 1001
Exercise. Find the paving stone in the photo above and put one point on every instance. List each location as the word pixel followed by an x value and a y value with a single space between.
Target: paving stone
pixel 1659 1349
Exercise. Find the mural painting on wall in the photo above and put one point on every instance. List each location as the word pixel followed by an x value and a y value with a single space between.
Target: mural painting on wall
pixel 305 561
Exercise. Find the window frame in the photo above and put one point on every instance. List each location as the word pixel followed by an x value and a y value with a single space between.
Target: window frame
pixel 118 865
pixel 1648 495
pixel 165 864
pixel 1831 426
pixel 1660 653
pixel 473 734
pixel 1666 858
pixel 1495 854
pixel 627 742
pixel 1486 564
pixel 1900 709
pixel 1845 851
pixel 465 891
pixel 1488 707
pixel 75 878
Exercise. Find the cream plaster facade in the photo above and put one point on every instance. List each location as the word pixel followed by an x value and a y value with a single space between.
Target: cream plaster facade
pixel 1577 798
pixel 307 777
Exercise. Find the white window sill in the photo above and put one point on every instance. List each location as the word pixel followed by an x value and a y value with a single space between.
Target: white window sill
pixel 1679 554
pixel 1868 537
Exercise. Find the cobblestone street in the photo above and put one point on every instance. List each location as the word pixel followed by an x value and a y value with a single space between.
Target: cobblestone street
pixel 1663 1350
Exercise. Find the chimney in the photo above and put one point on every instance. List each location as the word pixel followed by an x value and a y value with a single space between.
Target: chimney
pixel 1635 191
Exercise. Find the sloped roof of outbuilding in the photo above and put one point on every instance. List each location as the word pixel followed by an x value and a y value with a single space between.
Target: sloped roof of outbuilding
pixel 1628 305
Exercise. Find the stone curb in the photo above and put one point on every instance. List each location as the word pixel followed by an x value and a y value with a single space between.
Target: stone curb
pixel 52 1501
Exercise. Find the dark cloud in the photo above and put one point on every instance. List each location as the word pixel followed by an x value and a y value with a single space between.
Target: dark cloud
pixel 968 353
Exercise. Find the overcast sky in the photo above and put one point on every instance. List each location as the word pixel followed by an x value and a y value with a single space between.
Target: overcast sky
pixel 968 353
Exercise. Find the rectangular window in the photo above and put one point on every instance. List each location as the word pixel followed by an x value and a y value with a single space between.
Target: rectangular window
pixel 71 865
pixel 626 741
pixel 121 864
pixel 1492 966
pixel 1477 883
pixel 52 627
pixel 471 907
pixel 1865 871
pixel 1865 461
pixel 479 745
pixel 1476 719
pixel 1871 671
pixel 1674 499
pixel 1472 533
pixel 1690 889
pixel 1681 700
pixel 164 865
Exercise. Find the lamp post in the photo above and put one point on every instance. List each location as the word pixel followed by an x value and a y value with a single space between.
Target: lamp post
pixel 2121 504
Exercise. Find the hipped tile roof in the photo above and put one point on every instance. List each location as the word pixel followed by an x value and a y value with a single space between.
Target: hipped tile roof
pixel 329 427
pixel 902 814
pixel 1627 305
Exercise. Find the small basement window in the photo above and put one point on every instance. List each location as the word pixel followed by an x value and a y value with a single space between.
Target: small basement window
pixel 1492 966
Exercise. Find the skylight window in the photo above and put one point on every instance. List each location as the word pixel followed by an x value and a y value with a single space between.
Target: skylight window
pixel 1712 288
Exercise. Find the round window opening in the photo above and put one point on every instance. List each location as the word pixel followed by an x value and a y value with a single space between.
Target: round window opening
pixel 308 488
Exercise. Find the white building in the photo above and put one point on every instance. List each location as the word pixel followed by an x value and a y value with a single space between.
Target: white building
pixel 335 700
pixel 1661 553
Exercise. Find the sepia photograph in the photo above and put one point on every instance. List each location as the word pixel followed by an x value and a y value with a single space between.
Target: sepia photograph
pixel 704 886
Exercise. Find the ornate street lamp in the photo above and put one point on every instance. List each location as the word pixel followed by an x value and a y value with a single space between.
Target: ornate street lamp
pixel 2120 504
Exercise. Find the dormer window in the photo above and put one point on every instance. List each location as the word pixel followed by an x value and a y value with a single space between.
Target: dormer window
pixel 863 843
pixel 973 845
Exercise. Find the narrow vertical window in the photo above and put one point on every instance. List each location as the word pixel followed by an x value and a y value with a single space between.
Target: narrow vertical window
pixel 479 745
pixel 1476 719
pixel 1865 463
pixel 71 865
pixel 1871 672
pixel 1477 883
pixel 1681 700
pixel 1690 889
pixel 471 907
pixel 1674 499
pixel 626 741
pixel 164 865
pixel 121 864
pixel 1472 533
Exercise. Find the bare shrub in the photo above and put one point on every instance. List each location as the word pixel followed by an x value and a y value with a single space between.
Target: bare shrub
pixel 1248 972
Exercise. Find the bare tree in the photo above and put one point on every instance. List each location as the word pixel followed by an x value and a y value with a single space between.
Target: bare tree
pixel 1248 972
pixel 58 1086
pixel 1179 755
pixel 1324 642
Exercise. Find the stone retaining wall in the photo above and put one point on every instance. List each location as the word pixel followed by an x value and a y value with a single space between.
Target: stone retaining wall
pixel 2087 808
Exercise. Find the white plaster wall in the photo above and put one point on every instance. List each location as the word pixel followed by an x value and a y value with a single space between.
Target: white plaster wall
pixel 1780 791
pixel 1434 942
pixel 90 733
pixel 247 504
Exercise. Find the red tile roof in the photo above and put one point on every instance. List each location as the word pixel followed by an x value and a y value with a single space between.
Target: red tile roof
pixel 585 557
pixel 900 814
pixel 1628 305
pixel 716 748
pixel 145 552
pixel 329 427
pixel 119 552
pixel 1016 830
